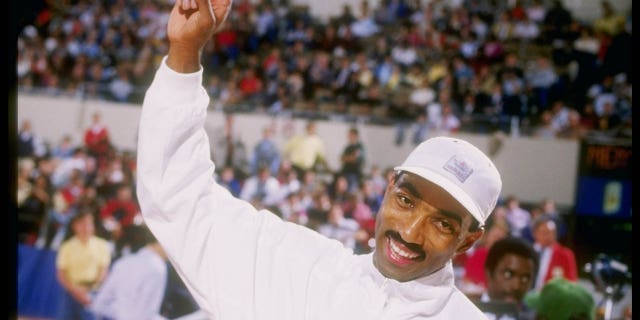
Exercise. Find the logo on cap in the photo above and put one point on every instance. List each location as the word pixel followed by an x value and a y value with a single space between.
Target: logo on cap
pixel 459 168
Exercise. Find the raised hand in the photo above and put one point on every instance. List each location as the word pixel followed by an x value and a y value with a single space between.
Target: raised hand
pixel 191 25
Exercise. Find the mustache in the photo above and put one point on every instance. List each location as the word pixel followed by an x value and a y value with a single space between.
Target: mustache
pixel 411 246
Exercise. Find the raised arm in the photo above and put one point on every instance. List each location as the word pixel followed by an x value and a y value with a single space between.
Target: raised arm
pixel 179 200
pixel 191 25
pixel 237 262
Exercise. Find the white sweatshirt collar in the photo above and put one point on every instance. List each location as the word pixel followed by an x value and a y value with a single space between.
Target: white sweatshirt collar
pixel 424 296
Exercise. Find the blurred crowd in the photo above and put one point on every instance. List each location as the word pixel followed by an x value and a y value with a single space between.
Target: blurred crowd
pixel 58 184
pixel 522 66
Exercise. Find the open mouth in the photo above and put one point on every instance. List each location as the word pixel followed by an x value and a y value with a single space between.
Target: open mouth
pixel 400 253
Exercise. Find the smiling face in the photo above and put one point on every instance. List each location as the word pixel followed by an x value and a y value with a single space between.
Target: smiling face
pixel 419 228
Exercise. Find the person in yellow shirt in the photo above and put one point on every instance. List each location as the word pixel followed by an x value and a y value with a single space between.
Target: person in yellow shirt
pixel 306 150
pixel 82 264
pixel 611 22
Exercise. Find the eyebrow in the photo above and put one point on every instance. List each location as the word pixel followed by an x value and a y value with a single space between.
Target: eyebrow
pixel 414 192
pixel 451 215
pixel 410 188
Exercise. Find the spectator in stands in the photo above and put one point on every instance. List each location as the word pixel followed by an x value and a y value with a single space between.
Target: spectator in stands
pixel 136 283
pixel 541 76
pixel 537 211
pixel 339 227
pixel 82 263
pixel 556 260
pixel 266 153
pixel 318 209
pixel 231 150
pixel 510 270
pixel 355 208
pixel 610 22
pixel 536 10
pixel 434 208
pixel 602 92
pixel 559 115
pixel 32 210
pixel 121 88
pixel 65 149
pixel 29 144
pixel 86 61
pixel 422 95
pixel 293 209
pixel 338 188
pixel 228 180
pixel 496 228
pixel 24 185
pixel 346 15
pixel 306 151
pixel 448 122
pixel 545 128
pixel 370 196
pixel 555 25
pixel 53 230
pixel 261 189
pixel 517 217
pixel 119 211
pixel 574 129
pixel 97 140
pixel 365 25
pixel 609 121
pixel 79 161
pixel 353 159
pixel 250 85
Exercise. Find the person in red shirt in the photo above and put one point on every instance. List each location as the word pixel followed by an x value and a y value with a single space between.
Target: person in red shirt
pixel 250 85
pixel 97 140
pixel 120 211
pixel 474 271
pixel 556 260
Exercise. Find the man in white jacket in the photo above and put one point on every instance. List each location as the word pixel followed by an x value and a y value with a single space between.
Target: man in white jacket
pixel 241 263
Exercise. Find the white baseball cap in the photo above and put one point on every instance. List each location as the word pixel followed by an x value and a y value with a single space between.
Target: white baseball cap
pixel 461 169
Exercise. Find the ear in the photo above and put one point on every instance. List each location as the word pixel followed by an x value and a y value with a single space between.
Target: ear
pixel 469 240
pixel 391 181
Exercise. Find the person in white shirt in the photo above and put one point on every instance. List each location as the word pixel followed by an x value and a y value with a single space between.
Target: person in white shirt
pixel 261 189
pixel 135 286
pixel 244 263
pixel 339 227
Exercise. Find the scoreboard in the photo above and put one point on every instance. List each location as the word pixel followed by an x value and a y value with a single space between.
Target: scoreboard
pixel 604 178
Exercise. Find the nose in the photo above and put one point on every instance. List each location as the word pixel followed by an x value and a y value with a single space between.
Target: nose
pixel 413 231
pixel 515 284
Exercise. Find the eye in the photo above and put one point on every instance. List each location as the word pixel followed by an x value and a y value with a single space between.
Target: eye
pixel 444 226
pixel 507 274
pixel 405 202
pixel 525 279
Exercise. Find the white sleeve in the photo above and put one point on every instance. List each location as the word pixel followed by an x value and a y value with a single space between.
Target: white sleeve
pixel 231 257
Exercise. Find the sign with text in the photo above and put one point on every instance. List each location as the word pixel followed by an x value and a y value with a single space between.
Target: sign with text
pixel 604 178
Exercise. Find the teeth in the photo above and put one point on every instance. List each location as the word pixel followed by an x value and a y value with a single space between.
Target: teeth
pixel 401 252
